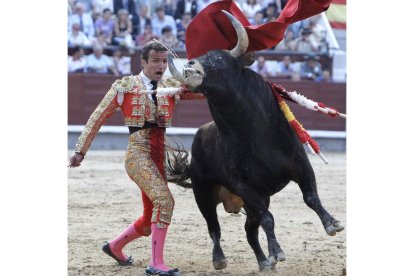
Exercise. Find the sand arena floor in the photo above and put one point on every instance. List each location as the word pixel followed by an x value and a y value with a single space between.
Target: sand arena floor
pixel 103 201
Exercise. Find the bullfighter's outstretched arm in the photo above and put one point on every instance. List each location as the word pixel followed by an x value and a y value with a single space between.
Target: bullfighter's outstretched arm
pixel 102 112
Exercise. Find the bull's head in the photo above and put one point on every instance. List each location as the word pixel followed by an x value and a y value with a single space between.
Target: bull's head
pixel 215 64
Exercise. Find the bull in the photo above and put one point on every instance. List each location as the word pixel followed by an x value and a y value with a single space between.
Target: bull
pixel 248 153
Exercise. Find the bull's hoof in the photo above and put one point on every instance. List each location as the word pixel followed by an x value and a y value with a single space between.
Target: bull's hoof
pixel 281 256
pixel 265 266
pixel 220 264
pixel 273 262
pixel 333 228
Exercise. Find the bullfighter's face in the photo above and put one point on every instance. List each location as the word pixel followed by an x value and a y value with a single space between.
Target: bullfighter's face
pixel 156 65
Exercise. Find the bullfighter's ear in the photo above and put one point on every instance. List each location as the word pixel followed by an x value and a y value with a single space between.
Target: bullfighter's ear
pixel 247 59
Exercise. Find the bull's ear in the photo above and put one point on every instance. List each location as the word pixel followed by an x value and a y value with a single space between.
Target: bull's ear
pixel 247 59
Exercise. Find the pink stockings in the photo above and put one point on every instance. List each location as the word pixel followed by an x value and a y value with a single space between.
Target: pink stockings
pixel 158 240
pixel 139 228
pixel 116 245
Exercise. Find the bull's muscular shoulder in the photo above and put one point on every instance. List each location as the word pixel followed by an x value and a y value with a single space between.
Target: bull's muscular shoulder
pixel 124 85
pixel 170 82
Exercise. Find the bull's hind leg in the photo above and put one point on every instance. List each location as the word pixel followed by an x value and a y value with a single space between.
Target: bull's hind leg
pixel 252 232
pixel 307 185
pixel 205 200
pixel 258 214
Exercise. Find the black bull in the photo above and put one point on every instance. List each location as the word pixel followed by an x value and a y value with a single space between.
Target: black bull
pixel 247 154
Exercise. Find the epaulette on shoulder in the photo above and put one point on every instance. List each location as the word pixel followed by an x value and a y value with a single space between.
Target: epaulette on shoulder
pixel 170 82
pixel 124 85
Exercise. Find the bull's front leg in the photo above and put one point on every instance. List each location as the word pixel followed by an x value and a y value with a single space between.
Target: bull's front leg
pixel 307 184
pixel 311 198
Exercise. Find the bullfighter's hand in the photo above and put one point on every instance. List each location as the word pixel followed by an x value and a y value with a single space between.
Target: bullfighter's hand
pixel 75 160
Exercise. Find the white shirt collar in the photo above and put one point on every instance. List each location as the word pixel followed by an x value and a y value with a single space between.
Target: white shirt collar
pixel 145 79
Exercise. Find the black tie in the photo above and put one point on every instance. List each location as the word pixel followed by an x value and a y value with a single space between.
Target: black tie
pixel 154 87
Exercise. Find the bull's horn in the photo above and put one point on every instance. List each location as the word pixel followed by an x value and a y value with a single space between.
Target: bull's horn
pixel 174 72
pixel 242 38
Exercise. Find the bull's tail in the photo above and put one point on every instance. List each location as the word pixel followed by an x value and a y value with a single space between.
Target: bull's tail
pixel 178 166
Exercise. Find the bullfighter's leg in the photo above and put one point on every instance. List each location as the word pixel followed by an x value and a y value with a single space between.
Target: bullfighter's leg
pixel 307 184
pixel 257 206
pixel 203 193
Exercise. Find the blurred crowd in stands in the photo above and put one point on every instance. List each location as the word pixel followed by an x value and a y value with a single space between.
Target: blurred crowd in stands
pixel 309 69
pixel 129 24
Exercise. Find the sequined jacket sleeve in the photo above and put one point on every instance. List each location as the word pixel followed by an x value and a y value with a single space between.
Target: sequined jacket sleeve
pixel 102 112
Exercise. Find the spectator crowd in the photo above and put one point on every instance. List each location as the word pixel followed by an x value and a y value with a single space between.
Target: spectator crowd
pixel 128 24
pixel 309 69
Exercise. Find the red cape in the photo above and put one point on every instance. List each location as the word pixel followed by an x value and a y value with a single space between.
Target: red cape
pixel 211 29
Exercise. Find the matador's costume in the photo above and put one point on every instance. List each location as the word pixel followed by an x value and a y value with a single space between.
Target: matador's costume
pixel 144 162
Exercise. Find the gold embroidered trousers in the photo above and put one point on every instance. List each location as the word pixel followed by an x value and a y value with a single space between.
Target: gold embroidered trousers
pixel 144 163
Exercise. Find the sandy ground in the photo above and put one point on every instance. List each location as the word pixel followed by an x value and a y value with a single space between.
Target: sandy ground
pixel 103 201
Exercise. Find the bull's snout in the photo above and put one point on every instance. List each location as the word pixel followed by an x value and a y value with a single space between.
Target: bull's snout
pixel 192 67
pixel 192 74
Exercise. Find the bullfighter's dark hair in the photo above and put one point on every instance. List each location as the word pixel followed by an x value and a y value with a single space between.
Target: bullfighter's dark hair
pixel 152 45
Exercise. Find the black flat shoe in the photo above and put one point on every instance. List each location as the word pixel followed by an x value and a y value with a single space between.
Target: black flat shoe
pixel 107 250
pixel 153 271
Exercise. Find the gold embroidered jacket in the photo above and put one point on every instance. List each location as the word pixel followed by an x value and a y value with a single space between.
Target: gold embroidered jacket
pixel 136 108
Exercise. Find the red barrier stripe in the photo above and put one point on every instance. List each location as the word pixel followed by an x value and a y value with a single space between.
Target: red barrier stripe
pixel 338 25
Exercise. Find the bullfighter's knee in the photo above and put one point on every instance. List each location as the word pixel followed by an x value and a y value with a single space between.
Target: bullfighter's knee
pixel 143 226
pixel 163 208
